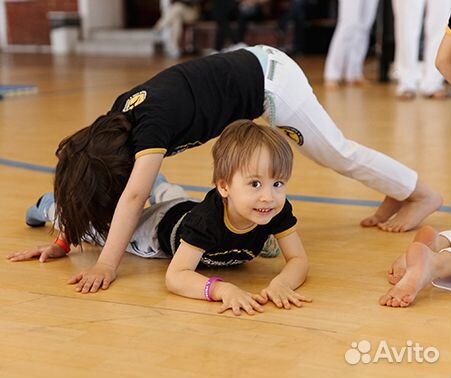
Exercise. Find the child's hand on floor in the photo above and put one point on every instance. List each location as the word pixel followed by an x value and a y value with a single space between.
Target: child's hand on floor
pixel 43 252
pixel 99 276
pixel 237 300
pixel 282 295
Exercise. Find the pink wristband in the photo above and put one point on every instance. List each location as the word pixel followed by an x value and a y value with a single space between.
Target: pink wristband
pixel 208 287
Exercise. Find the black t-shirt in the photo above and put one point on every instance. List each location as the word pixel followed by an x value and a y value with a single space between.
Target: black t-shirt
pixel 191 103
pixel 204 226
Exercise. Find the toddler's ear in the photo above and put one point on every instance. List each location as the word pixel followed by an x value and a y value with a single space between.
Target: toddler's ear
pixel 223 188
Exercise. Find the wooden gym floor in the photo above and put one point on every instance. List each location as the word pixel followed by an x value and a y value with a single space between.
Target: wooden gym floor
pixel 136 328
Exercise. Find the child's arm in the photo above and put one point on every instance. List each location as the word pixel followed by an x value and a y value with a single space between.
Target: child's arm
pixel 443 59
pixel 125 219
pixel 281 288
pixel 181 279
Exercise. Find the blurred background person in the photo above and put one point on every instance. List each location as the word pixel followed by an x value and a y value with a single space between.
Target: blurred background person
pixel 295 14
pixel 349 45
pixel 169 27
pixel 243 11
pixel 409 16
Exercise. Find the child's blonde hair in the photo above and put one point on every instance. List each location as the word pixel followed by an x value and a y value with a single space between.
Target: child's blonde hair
pixel 235 147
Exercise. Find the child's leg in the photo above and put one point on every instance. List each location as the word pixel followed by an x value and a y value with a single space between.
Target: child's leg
pixel 168 192
pixel 164 191
pixel 41 212
pixel 365 14
pixel 340 45
pixel 299 114
pixel 144 242
pixel 164 196
pixel 408 17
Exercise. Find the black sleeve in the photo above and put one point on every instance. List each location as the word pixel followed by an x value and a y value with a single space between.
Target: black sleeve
pixel 284 221
pixel 449 22
pixel 149 134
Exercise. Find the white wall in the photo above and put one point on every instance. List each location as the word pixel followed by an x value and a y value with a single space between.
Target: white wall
pixel 98 14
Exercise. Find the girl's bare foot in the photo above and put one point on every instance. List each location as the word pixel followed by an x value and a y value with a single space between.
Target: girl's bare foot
pixel 421 203
pixel 385 211
pixel 418 276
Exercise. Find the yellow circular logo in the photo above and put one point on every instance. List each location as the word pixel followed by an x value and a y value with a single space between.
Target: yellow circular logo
pixel 135 100
pixel 293 134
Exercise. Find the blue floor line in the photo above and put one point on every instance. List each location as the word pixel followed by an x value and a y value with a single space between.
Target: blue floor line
pixel 27 166
pixel 202 189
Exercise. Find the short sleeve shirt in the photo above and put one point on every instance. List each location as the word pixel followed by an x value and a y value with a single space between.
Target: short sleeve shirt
pixel 205 228
pixel 192 102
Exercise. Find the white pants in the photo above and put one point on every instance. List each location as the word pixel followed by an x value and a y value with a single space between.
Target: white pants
pixel 172 21
pixel 293 107
pixel 349 44
pixel 409 16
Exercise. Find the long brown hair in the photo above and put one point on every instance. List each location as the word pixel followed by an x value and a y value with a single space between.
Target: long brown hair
pixel 94 165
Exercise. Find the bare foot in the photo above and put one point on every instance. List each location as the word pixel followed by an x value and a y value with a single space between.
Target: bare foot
pixel 426 235
pixel 332 84
pixel 385 211
pixel 397 270
pixel 418 276
pixel 421 203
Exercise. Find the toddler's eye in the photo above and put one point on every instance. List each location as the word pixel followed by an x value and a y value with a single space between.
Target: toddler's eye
pixel 279 184
pixel 256 184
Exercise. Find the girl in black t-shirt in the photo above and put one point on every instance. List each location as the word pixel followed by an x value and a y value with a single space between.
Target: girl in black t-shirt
pixel 105 172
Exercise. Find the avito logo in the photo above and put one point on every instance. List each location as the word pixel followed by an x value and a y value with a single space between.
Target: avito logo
pixel 411 352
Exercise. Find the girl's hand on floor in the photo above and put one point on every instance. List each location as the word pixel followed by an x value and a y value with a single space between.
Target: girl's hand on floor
pixel 237 300
pixel 98 277
pixel 282 295
pixel 43 252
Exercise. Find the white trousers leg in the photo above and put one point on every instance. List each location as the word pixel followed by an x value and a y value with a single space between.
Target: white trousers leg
pixel 361 37
pixel 299 114
pixel 437 13
pixel 349 43
pixel 340 44
pixel 408 16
